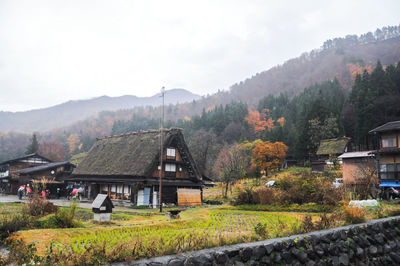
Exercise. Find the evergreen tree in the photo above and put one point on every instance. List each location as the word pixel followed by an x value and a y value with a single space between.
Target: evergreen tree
pixel 34 146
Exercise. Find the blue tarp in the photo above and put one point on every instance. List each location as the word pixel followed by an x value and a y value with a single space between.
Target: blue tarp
pixel 389 184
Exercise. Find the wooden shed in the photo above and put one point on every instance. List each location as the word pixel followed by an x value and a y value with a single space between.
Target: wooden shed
pixel 355 164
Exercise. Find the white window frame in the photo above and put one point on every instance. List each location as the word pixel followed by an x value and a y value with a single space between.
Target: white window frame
pixel 170 167
pixel 171 152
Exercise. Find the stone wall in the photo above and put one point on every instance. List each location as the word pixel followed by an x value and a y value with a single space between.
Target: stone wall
pixel 376 242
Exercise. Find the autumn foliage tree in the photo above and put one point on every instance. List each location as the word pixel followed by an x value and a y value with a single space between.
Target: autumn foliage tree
pixel 257 121
pixel 268 156
pixel 73 142
pixel 52 150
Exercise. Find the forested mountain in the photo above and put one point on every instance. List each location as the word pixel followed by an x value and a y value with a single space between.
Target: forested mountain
pixel 341 57
pixel 346 87
pixel 70 112
pixel 323 110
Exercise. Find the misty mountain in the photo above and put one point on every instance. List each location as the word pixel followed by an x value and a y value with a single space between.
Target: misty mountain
pixel 72 111
pixel 341 60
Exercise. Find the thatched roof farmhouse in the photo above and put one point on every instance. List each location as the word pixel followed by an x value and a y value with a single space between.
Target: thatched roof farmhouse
pixel 126 167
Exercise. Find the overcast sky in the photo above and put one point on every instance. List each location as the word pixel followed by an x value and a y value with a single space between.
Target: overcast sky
pixel 54 51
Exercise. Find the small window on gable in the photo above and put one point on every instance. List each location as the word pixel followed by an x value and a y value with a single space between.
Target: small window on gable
pixel 170 167
pixel 171 152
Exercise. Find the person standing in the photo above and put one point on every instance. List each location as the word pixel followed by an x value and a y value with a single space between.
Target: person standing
pixel 21 191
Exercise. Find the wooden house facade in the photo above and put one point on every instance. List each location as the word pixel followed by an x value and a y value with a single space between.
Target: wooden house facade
pixel 388 154
pixel 53 174
pixel 127 167
pixel 9 171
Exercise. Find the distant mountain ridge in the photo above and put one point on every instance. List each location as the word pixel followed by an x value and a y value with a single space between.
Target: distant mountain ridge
pixel 72 111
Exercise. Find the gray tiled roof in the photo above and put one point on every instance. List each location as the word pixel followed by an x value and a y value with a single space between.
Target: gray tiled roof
pixel 357 154
pixel 394 125
pixel 42 167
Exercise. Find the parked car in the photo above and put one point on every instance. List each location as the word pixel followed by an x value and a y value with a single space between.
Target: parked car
pixel 270 183
pixel 389 193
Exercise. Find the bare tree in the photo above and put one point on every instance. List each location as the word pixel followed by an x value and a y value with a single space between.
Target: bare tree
pixel 232 164
pixel 366 182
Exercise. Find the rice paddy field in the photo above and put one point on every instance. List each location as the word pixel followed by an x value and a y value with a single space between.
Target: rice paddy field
pixel 145 233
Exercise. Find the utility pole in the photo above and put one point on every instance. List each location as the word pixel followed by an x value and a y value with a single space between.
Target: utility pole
pixel 161 147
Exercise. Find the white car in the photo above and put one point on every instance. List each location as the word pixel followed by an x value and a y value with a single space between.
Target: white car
pixel 270 183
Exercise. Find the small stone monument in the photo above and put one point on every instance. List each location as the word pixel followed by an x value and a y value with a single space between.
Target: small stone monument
pixel 102 207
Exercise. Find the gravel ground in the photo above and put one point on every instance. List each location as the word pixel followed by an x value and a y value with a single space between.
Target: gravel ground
pixel 58 202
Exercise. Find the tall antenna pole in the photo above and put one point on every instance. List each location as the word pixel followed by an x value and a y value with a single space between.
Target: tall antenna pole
pixel 161 147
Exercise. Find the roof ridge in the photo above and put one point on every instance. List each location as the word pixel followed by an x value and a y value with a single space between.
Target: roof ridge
pixel 141 132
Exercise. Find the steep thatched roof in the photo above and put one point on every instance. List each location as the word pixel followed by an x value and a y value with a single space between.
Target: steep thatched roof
pixel 332 146
pixel 130 154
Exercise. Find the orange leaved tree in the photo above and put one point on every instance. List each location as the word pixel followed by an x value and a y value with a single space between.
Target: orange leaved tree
pixel 257 121
pixel 268 156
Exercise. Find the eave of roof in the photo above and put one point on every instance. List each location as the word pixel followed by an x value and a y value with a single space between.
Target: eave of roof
pixel 357 154
pixel 130 179
pixel 390 126
pixel 42 167
pixel 25 157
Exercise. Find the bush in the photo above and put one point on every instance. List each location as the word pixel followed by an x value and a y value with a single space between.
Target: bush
pixel 22 254
pixel 325 221
pixel 213 202
pixel 244 196
pixel 354 215
pixel 10 223
pixel 260 230
pixel 306 207
pixel 267 195
pixel 38 206
pixel 62 218
pixel 307 224
pixel 305 187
